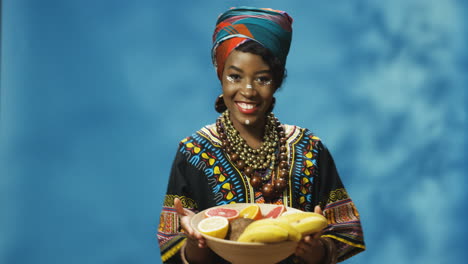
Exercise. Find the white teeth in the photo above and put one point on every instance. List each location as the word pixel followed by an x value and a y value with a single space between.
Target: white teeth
pixel 246 106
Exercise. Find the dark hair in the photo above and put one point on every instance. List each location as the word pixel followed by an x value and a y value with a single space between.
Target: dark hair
pixel 278 69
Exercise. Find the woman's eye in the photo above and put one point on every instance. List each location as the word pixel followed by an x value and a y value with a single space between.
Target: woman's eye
pixel 233 78
pixel 264 80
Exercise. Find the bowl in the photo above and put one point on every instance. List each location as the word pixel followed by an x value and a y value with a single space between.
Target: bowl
pixel 246 253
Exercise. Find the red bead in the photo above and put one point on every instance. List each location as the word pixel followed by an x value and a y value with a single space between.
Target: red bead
pixel 283 180
pixel 248 171
pixel 268 191
pixel 256 182
pixel 234 157
pixel 240 164
pixel 283 174
pixel 283 157
pixel 280 186
pixel 283 165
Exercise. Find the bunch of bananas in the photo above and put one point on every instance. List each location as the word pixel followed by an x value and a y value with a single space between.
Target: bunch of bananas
pixel 292 226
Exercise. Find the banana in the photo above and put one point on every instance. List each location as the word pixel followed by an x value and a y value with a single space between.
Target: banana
pixel 310 225
pixel 292 226
pixel 293 234
pixel 266 234
pixel 295 216
pixel 305 222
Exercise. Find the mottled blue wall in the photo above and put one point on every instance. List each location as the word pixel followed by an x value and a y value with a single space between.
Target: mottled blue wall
pixel 95 96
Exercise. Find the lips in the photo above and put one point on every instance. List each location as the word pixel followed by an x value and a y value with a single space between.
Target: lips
pixel 247 108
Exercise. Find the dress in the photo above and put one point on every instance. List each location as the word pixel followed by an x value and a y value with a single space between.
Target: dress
pixel 202 177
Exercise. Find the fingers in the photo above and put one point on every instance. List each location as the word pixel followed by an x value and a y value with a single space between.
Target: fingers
pixel 197 235
pixel 185 217
pixel 303 246
pixel 318 210
pixel 307 245
pixel 308 241
pixel 178 206
pixel 202 243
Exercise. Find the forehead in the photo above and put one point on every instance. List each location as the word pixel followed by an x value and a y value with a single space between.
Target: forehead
pixel 246 61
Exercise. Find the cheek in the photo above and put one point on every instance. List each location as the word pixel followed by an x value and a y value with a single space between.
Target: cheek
pixel 267 95
pixel 229 89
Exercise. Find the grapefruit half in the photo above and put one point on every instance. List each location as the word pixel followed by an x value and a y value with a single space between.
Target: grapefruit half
pixel 228 213
pixel 275 212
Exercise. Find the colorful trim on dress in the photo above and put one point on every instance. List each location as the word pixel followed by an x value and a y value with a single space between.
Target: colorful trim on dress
pixel 305 169
pixel 202 150
pixel 344 224
pixel 170 235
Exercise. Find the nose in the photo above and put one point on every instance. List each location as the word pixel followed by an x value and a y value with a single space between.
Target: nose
pixel 248 89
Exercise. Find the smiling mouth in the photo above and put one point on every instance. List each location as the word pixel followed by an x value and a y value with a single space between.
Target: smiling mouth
pixel 247 108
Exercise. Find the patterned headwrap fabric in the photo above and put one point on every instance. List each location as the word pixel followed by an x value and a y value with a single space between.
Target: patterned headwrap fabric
pixel 271 28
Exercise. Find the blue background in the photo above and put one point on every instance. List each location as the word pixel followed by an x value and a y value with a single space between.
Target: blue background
pixel 95 96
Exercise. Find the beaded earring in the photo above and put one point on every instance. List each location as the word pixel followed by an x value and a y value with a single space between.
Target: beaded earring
pixel 220 106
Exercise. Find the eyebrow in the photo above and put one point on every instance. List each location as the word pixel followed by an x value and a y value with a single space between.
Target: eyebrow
pixel 240 70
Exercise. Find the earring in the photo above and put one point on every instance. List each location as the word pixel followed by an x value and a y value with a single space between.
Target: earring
pixel 220 106
pixel 272 106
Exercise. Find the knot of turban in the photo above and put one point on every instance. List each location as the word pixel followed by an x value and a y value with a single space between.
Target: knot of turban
pixel 271 28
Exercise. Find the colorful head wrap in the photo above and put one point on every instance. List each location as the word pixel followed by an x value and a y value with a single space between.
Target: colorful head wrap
pixel 271 28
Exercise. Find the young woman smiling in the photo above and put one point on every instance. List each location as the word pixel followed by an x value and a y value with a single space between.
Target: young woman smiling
pixel 249 156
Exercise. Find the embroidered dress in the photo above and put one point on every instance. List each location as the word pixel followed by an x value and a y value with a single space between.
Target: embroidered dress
pixel 202 176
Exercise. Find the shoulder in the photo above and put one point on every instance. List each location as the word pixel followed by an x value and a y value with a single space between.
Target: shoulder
pixel 204 137
pixel 297 134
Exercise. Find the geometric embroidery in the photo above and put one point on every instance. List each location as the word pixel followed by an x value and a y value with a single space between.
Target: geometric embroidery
pixel 224 181
pixel 186 202
pixel 304 169
pixel 337 195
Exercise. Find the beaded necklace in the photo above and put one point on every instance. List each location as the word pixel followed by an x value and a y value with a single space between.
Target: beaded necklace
pixel 253 163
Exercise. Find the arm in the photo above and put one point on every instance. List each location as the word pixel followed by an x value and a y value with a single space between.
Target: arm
pixel 179 243
pixel 344 229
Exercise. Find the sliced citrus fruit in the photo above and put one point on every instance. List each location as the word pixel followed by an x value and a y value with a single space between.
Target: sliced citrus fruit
pixel 252 212
pixel 275 212
pixel 216 226
pixel 228 213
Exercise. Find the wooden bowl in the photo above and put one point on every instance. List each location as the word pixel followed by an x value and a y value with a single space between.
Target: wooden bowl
pixel 246 253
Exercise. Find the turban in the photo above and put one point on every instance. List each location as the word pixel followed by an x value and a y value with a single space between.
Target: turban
pixel 271 28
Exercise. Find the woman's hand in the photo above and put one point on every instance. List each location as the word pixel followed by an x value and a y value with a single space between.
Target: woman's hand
pixel 195 249
pixel 185 216
pixel 310 249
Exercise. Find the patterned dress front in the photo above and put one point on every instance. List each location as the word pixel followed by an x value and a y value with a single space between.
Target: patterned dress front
pixel 202 176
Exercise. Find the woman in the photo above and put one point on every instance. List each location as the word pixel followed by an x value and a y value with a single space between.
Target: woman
pixel 249 156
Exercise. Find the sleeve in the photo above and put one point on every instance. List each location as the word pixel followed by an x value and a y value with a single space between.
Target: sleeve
pixel 170 235
pixel 344 225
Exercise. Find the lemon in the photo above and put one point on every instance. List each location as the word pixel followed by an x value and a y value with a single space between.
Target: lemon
pixel 215 226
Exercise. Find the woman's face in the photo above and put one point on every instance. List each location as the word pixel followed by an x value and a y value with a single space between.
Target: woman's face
pixel 248 88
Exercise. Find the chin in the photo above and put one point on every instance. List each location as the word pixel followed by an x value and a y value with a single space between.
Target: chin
pixel 251 121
